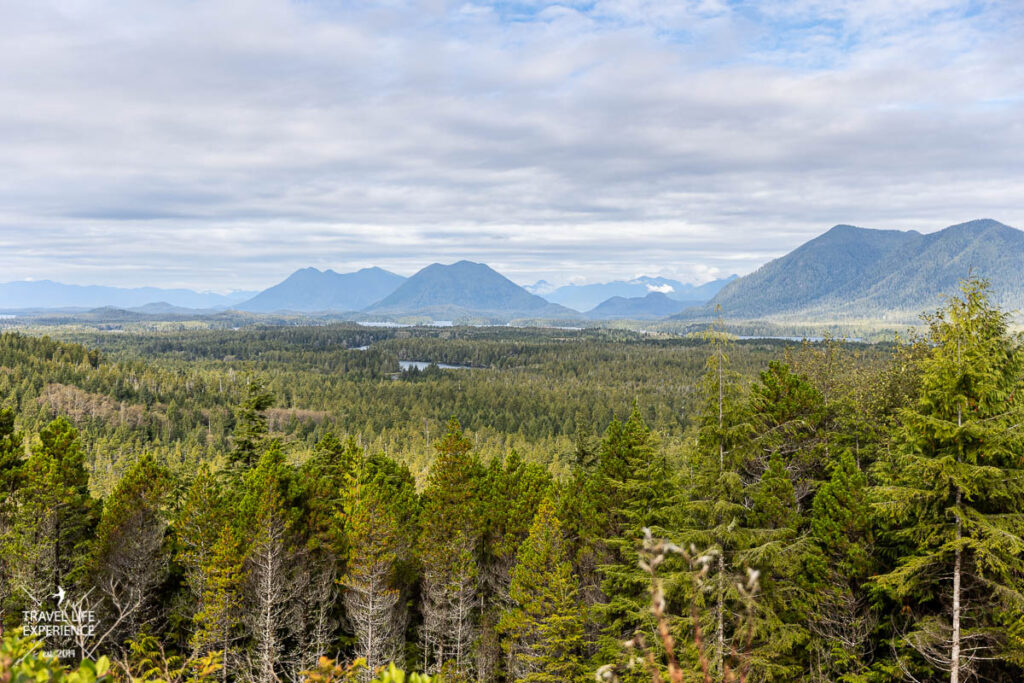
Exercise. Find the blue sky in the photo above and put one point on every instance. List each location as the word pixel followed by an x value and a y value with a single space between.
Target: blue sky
pixel 224 143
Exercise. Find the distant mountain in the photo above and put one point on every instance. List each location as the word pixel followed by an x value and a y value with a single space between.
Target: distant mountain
pixel 45 294
pixel 466 288
pixel 586 297
pixel 851 272
pixel 310 290
pixel 654 305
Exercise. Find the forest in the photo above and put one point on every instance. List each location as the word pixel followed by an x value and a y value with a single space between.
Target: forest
pixel 289 504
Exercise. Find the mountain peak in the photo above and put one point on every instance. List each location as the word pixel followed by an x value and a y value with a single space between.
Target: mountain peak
pixel 465 287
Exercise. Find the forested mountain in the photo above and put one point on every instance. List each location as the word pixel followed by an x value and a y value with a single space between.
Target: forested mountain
pixel 654 305
pixel 586 297
pixel 49 294
pixel 310 291
pixel 851 272
pixel 453 291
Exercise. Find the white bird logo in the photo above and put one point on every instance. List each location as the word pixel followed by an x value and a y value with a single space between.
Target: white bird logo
pixel 59 595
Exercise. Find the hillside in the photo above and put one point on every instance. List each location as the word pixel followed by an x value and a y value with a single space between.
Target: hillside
pixel 851 272
pixel 311 290
pixel 654 305
pixel 449 291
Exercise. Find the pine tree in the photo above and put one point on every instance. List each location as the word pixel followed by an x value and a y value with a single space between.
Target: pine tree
pixel 267 515
pixel 957 499
pixel 216 624
pixel 250 426
pixel 543 630
pixel 841 527
pixel 11 464
pixel 373 600
pixel 327 478
pixel 130 556
pixel 54 516
pixel 713 513
pixel 449 546
pixel 633 477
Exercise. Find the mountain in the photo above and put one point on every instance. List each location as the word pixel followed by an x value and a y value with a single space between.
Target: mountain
pixel 466 288
pixel 586 297
pixel 654 305
pixel 43 294
pixel 310 290
pixel 851 272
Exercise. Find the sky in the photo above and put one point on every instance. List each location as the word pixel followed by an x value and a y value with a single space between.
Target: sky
pixel 222 144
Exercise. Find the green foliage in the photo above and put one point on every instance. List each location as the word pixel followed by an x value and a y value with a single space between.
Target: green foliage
pixel 542 633
pixel 22 661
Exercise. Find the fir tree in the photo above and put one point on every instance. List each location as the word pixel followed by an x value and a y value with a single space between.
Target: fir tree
pixel 957 498
pixel 449 550
pixel 130 556
pixel 373 599
pixel 542 632
pixel 250 426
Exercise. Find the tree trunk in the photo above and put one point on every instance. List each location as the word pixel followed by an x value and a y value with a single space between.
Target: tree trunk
pixel 954 657
pixel 720 615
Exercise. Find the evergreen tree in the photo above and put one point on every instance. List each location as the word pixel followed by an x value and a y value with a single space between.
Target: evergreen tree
pixel 449 550
pixel 217 621
pixel 841 528
pixel 957 498
pixel 633 477
pixel 267 515
pixel 11 463
pixel 542 632
pixel 54 516
pixel 714 509
pixel 130 556
pixel 250 434
pixel 373 598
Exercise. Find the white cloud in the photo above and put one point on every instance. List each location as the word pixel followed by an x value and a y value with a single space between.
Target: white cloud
pixel 222 144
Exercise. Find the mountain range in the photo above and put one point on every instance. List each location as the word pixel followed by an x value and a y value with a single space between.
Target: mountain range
pixel 310 290
pixel 43 294
pixel 586 297
pixel 651 307
pixel 847 273
pixel 850 272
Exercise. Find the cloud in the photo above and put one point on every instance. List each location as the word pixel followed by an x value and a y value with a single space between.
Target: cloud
pixel 664 289
pixel 223 144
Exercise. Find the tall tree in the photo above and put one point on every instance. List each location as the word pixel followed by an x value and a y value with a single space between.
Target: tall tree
pixel 373 599
pixel 55 516
pixel 714 510
pixel 11 463
pixel 449 546
pixel 267 514
pixel 957 498
pixel 250 426
pixel 543 629
pixel 130 556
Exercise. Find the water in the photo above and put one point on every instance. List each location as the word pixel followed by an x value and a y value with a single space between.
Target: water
pixel 423 364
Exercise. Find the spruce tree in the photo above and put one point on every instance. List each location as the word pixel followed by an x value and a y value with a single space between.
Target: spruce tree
pixel 634 480
pixel 542 633
pixel 449 549
pixel 956 501
pixel 372 596
pixel 130 556
pixel 713 511
pixel 250 434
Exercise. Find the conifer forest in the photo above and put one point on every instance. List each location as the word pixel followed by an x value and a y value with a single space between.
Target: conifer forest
pixel 297 503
